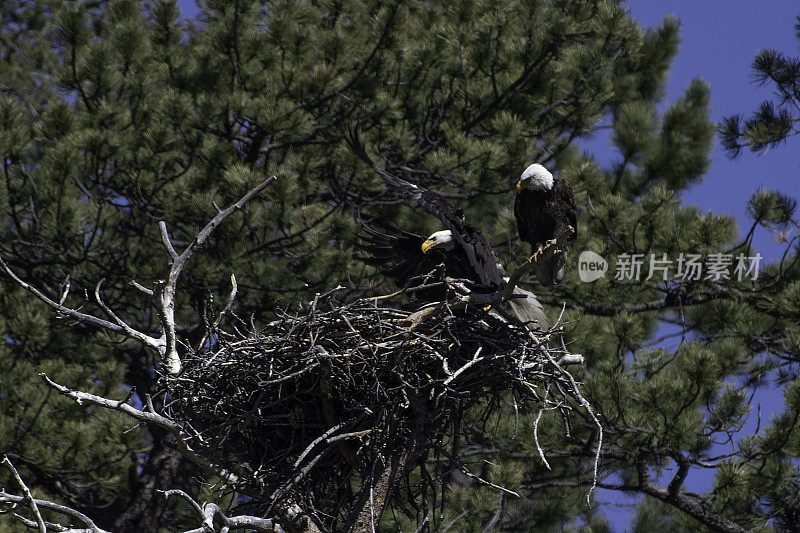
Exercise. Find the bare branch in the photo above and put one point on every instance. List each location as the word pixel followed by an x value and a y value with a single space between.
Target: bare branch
pixel 212 225
pixel 210 511
pixel 586 405
pixel 475 359
pixel 83 317
pixel 28 496
pixel 536 434
pixel 167 242
pixel 51 506
pixel 180 436
pixel 182 494
pixel 218 320
pixel 165 294
pixel 141 288
pixel 229 305
pixel 66 291
pixel 107 309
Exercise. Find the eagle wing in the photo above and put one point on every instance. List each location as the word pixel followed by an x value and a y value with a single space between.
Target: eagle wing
pixel 474 244
pixel 520 213
pixel 398 254
pixel 567 200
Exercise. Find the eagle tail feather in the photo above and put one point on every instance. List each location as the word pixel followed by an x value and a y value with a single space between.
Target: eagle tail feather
pixel 529 311
pixel 551 272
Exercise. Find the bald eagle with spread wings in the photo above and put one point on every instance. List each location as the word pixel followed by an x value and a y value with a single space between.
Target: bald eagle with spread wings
pixel 545 209
pixel 463 250
pixel 412 260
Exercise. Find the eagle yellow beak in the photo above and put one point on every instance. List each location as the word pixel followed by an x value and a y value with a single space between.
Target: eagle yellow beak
pixel 520 186
pixel 427 245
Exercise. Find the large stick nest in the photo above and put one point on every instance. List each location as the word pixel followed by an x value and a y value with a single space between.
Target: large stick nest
pixel 323 394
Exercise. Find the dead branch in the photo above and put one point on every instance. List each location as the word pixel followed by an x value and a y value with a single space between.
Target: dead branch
pixel 83 317
pixel 28 496
pixel 181 437
pixel 163 296
pixel 14 499
pixel 214 520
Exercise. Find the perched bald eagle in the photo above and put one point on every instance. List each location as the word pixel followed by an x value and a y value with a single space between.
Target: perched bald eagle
pixel 544 208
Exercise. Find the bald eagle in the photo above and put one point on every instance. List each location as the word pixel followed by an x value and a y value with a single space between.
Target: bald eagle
pixel 412 260
pixel 469 245
pixel 544 208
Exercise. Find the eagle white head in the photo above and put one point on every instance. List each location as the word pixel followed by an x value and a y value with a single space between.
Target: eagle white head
pixel 535 177
pixel 442 238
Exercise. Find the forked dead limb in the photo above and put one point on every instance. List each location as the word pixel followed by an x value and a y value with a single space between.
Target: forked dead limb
pixel 35 504
pixel 162 295
pixel 215 520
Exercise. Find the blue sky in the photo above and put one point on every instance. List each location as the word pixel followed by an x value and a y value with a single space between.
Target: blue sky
pixel 719 40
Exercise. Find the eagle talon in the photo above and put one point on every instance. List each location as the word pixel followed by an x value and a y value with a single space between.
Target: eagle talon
pixel 535 257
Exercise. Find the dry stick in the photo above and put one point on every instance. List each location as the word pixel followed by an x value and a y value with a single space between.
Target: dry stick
pixel 228 307
pixel 28 496
pixel 210 511
pixel 586 405
pixel 475 359
pixel 148 417
pixel 129 332
pixel 454 520
pixel 185 496
pixel 31 524
pixel 51 506
pixel 536 430
pixel 315 442
pixel 65 293
pixel 464 470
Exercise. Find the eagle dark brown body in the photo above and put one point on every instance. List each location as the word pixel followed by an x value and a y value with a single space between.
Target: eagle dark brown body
pixel 544 214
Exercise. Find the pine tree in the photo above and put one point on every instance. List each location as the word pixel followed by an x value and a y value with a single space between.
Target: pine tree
pixel 117 115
